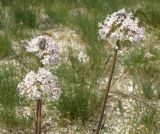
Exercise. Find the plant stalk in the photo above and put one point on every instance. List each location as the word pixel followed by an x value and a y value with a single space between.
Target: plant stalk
pixel 107 90
pixel 38 117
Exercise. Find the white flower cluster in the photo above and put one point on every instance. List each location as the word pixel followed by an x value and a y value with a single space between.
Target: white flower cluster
pixel 24 112
pixel 83 57
pixel 35 85
pixel 45 48
pixel 121 25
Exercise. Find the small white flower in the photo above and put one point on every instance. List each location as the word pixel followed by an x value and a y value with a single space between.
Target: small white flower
pixel 148 55
pixel 35 85
pixel 45 48
pixel 83 57
pixel 24 112
pixel 121 25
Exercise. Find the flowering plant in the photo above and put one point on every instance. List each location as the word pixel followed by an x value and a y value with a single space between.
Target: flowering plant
pixel 41 83
pixel 122 26
pixel 45 48
pixel 35 85
pixel 119 27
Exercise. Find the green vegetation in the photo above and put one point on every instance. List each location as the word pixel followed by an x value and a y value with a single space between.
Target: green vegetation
pixel 143 65
pixel 80 99
pixel 9 98
pixel 5 45
pixel 79 82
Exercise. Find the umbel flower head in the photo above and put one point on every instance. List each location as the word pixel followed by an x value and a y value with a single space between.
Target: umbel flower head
pixel 45 48
pixel 122 26
pixel 37 84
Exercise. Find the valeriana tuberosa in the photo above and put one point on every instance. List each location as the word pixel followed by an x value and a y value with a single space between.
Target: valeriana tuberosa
pixel 35 85
pixel 40 83
pixel 122 26
pixel 45 48
pixel 118 28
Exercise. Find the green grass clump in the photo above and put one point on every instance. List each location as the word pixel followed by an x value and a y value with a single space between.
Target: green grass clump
pixel 149 13
pixel 76 99
pixel 145 70
pixel 9 96
pixel 58 12
pixel 147 119
pixel 24 16
pixel 5 45
pixel 87 26
pixel 2 25
pixel 79 82
pixel 5 2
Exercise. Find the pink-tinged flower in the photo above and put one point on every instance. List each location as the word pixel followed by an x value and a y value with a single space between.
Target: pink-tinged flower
pixel 45 48
pixel 37 84
pixel 122 26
